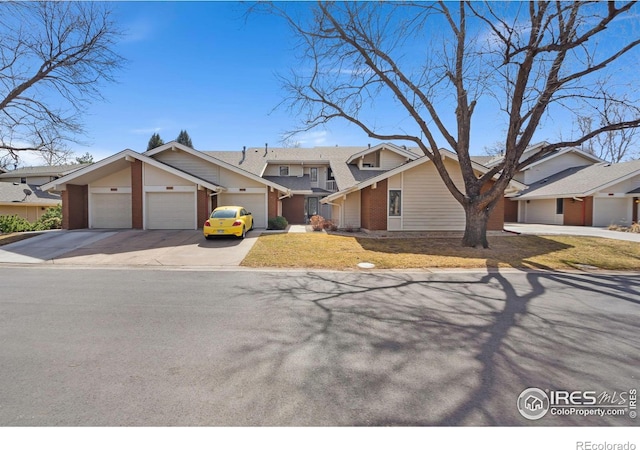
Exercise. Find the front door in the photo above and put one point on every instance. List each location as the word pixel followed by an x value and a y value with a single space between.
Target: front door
pixel 311 206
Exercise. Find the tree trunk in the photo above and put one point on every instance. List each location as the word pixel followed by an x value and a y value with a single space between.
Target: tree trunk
pixel 475 228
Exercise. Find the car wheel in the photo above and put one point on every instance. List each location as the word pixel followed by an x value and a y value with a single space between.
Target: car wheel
pixel 244 233
pixel 251 226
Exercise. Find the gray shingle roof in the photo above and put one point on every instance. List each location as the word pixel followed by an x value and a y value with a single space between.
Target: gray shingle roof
pixel 15 193
pixel 255 161
pixel 302 183
pixel 580 181
pixel 53 171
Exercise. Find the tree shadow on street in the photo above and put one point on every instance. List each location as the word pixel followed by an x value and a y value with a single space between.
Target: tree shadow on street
pixel 428 349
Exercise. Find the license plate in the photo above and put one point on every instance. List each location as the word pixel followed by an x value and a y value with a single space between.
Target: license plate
pixel 220 231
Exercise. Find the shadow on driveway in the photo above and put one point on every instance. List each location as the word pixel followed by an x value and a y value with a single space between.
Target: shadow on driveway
pixel 129 247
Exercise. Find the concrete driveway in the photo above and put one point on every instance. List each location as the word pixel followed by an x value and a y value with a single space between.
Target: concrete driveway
pixel 186 248
pixel 540 229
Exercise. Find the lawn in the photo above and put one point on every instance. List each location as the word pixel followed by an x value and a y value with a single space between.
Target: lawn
pixel 325 251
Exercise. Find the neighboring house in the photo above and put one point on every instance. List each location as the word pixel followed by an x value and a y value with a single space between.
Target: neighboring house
pixel 176 187
pixel 572 187
pixel 25 200
pixel 39 175
pixel 595 195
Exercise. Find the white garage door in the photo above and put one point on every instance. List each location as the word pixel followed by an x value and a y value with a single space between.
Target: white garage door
pixel 171 210
pixel 256 204
pixel 110 210
pixel 607 211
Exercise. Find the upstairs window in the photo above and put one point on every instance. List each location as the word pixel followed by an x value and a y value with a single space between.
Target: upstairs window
pixel 313 173
pixel 284 171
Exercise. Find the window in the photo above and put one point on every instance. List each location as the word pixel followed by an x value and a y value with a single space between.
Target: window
pixel 330 174
pixel 284 171
pixel 23 180
pixel 559 206
pixel 395 200
pixel 313 173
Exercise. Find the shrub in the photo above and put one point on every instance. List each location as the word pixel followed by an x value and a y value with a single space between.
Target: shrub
pixel 12 224
pixel 50 220
pixel 317 223
pixel 635 227
pixel 277 223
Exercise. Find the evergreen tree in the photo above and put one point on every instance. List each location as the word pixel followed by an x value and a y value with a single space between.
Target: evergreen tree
pixel 184 139
pixel 87 158
pixel 155 141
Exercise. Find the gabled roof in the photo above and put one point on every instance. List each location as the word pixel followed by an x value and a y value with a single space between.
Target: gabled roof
pixel 118 159
pixel 402 151
pixel 531 150
pixel 26 194
pixel 256 159
pixel 484 160
pixel 51 171
pixel 581 181
pixel 423 160
pixel 222 162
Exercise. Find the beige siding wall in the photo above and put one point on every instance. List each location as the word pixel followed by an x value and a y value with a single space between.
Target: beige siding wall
pixel 118 179
pixel 231 179
pixel 395 182
pixel 371 158
pixel 553 166
pixel 352 210
pixel 158 177
pixel 390 160
pixel 428 204
pixel 273 170
pixel 191 164
pixel 31 213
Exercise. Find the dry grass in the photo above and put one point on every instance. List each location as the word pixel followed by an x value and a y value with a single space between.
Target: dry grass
pixel 314 250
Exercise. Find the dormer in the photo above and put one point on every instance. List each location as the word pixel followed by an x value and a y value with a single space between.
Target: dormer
pixel 382 157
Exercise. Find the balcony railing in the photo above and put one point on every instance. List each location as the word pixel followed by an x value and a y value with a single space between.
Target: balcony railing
pixel 329 185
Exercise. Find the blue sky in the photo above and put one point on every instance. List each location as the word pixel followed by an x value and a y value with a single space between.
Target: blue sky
pixel 205 68
pixel 201 66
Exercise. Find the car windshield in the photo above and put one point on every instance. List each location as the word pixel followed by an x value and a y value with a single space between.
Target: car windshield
pixel 224 214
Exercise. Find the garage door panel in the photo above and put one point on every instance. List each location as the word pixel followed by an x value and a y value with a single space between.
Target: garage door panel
pixel 171 210
pixel 607 211
pixel 110 210
pixel 254 203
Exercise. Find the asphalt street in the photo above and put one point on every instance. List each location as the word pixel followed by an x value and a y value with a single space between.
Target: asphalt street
pixel 153 347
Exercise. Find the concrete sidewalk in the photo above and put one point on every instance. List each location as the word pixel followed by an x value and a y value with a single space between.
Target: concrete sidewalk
pixel 540 229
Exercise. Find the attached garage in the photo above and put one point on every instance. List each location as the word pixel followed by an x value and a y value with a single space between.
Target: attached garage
pixel 607 211
pixel 110 210
pixel 254 203
pixel 171 211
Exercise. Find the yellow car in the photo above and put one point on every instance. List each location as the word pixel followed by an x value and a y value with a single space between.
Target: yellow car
pixel 226 220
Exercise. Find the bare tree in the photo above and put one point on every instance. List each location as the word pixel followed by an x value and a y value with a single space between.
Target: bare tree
pixel 53 57
pixel 615 145
pixel 436 62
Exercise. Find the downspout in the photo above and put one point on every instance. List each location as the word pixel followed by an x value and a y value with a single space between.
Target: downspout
pixel 339 208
